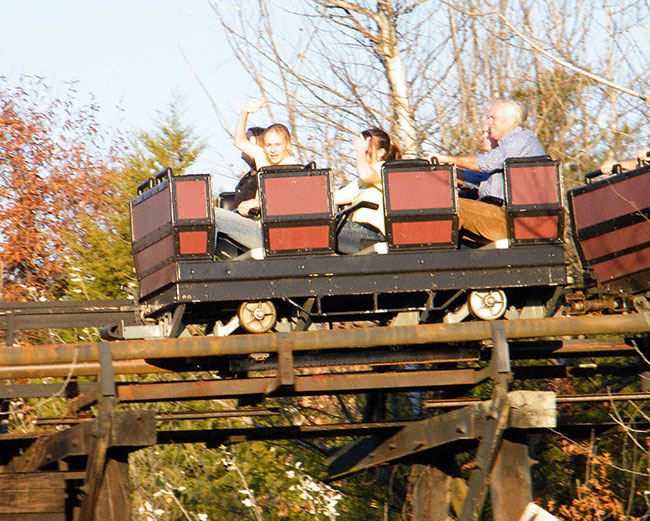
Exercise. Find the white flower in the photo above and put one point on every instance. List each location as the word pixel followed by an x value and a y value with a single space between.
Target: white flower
pixel 291 474
pixel 159 511
pixel 248 502
pixel 202 517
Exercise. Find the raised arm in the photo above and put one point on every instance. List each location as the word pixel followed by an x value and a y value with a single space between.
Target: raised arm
pixel 241 141
pixel 365 171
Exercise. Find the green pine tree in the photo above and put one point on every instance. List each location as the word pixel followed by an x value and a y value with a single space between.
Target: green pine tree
pixel 101 265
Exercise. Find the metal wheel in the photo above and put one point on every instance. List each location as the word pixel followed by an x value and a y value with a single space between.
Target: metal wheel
pixel 257 317
pixel 487 305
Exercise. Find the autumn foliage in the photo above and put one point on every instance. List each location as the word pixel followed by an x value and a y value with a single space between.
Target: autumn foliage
pixel 594 498
pixel 52 173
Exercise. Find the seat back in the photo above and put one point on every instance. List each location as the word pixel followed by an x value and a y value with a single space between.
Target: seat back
pixel 420 204
pixel 533 199
pixel 226 200
pixel 611 229
pixel 171 218
pixel 296 210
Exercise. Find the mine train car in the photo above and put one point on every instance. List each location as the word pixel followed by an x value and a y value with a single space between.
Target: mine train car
pixel 428 268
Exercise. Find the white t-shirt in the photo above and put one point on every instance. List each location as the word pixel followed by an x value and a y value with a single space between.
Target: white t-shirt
pixel 373 192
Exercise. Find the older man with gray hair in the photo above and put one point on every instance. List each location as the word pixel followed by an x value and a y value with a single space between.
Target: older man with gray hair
pixel 486 216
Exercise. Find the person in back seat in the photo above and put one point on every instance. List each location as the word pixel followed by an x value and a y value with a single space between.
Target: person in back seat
pixel 365 226
pixel 468 180
pixel 247 186
pixel 642 154
pixel 486 216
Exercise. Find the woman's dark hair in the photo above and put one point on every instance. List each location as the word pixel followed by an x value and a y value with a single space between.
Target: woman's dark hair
pixel 381 141
pixel 254 131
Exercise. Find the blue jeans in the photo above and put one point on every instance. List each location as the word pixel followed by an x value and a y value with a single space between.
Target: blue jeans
pixel 353 237
pixel 245 231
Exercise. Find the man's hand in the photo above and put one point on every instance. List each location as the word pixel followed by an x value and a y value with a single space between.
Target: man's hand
pixel 608 166
pixel 246 206
pixel 442 158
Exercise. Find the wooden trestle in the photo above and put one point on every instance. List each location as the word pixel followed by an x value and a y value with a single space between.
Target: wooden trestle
pixel 81 473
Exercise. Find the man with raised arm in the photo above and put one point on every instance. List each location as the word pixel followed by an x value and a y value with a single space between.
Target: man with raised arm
pixel 486 216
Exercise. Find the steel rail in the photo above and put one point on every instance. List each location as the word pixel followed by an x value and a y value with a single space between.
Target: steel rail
pixel 518 351
pixel 328 339
pixel 167 417
pixel 124 367
pixel 562 398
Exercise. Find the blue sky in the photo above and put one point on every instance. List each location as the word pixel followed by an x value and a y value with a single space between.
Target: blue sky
pixel 128 57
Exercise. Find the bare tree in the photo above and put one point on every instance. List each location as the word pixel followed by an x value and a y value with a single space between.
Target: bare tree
pixel 427 70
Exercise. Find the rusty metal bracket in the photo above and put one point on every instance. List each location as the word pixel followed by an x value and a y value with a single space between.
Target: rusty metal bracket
pixel 177 321
pixel 286 377
pixel 10 332
pixel 502 370
pixel 106 372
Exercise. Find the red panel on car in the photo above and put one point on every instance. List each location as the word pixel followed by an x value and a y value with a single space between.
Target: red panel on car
pixel 150 214
pixel 533 185
pixel 299 195
pixel 191 199
pixel 193 243
pixel 298 238
pixel 419 190
pixel 422 232
pixel 536 227
pixel 623 265
pixel 616 240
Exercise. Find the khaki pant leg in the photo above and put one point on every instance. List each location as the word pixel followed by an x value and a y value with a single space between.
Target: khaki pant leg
pixel 484 219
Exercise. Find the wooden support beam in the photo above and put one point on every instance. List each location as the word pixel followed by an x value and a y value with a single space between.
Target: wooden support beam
pixel 528 409
pixel 131 429
pixel 97 458
pixel 114 502
pixel 430 493
pixel 491 434
pixel 417 437
pixel 510 482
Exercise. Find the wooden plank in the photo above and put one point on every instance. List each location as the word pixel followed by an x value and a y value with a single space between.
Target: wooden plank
pixel 511 482
pixel 431 493
pixel 114 502
pixel 34 495
pixel 60 516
